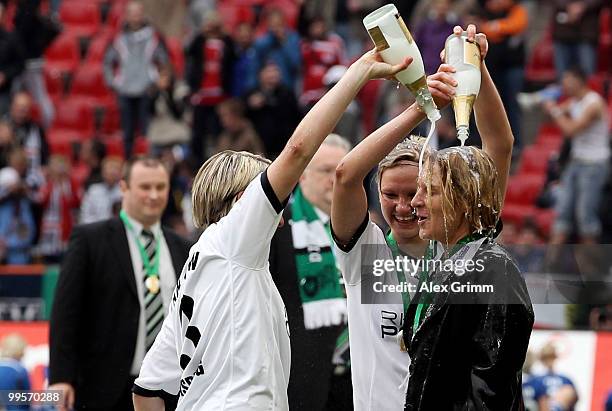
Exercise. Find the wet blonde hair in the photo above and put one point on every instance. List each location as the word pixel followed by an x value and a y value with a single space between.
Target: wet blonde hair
pixel 469 184
pixel 219 181
pixel 406 152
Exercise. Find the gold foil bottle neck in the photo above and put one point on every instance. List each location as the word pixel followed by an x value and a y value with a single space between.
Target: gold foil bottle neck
pixel 417 85
pixel 462 105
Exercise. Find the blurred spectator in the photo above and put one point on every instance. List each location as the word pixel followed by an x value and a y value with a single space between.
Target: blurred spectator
pixel 238 133
pixel 273 109
pixel 18 160
pixel 13 375
pixel 17 226
pixel 327 10
pixel 609 402
pixel 557 392
pixel 576 34
pixel 528 249
pixel 61 197
pixel 130 69
pixel 11 64
pixel 600 318
pixel 281 45
pixel 101 200
pixel 582 118
pixel 349 124
pixel 245 74
pixel 209 75
pixel 505 24
pixel 509 234
pixel 168 108
pixel 7 142
pixel 35 32
pixel 30 136
pixel 321 50
pixel 530 390
pixel 92 152
pixel 431 34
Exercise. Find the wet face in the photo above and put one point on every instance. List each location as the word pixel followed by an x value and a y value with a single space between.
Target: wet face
pixel 145 195
pixel 398 185
pixel 429 213
pixel 21 108
pixel 317 181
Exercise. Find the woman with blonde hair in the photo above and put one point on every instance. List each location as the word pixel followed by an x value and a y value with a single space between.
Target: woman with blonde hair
pixel 467 328
pixel 376 319
pixel 224 343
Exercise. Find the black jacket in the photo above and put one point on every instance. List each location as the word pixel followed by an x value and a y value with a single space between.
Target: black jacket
pixel 94 321
pixel 11 59
pixel 195 60
pixel 469 350
pixel 311 350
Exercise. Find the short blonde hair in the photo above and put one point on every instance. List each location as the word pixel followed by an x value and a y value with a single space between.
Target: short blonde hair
pixel 218 182
pixel 405 152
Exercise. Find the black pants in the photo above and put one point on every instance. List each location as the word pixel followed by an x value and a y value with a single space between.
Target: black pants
pixel 206 128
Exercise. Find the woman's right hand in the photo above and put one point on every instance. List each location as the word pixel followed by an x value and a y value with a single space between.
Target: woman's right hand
pixel 377 68
pixel 442 85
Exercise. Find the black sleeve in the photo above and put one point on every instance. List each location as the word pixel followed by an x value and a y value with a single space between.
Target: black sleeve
pixel 67 309
pixel 267 188
pixel 351 243
pixel 44 147
pixel 170 400
pixel 229 60
pixel 194 59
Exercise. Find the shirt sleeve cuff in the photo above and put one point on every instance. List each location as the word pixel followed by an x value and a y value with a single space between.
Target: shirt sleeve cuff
pixel 269 191
pixel 348 246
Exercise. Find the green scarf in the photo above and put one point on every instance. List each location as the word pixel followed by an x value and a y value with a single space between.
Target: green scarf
pixel 318 277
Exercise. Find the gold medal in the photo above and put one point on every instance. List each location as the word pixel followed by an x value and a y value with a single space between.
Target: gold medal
pixel 152 283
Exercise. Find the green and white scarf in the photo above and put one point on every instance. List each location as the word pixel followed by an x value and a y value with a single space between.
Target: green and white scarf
pixel 318 277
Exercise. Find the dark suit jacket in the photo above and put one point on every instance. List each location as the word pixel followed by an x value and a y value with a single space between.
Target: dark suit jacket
pixel 94 321
pixel 311 350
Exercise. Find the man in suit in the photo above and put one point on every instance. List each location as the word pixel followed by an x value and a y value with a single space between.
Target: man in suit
pixel 304 270
pixel 114 288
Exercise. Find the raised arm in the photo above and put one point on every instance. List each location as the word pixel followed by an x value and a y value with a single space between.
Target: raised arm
pixel 285 171
pixel 491 119
pixel 349 204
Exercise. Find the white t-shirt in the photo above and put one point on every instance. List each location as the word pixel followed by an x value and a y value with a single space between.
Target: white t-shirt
pixel 224 344
pixel 379 369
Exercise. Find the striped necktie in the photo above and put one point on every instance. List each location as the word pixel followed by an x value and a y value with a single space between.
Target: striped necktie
pixel 154 308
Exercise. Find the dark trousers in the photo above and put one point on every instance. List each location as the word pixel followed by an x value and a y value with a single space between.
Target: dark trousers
pixel 134 115
pixel 124 403
pixel 206 128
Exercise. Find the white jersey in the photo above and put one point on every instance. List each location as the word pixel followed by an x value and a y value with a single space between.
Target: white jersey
pixel 224 344
pixel 379 369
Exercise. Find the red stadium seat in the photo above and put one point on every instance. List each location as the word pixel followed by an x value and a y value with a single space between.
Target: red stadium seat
pixel 545 220
pixel 517 213
pixel 54 84
pixel 111 121
pixel 88 86
pixel 74 116
pixel 97 48
pixel 80 18
pixel 534 160
pixel 62 56
pixel 540 65
pixel 524 189
pixel 604 53
pixel 233 14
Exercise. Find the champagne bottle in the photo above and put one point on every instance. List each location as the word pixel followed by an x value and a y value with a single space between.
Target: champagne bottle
pixel 464 56
pixel 395 43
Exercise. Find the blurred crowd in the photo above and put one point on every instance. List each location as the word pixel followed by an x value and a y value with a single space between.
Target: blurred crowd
pixel 190 78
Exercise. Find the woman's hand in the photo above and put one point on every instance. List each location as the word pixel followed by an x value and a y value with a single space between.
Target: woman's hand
pixel 474 37
pixel 442 85
pixel 377 68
